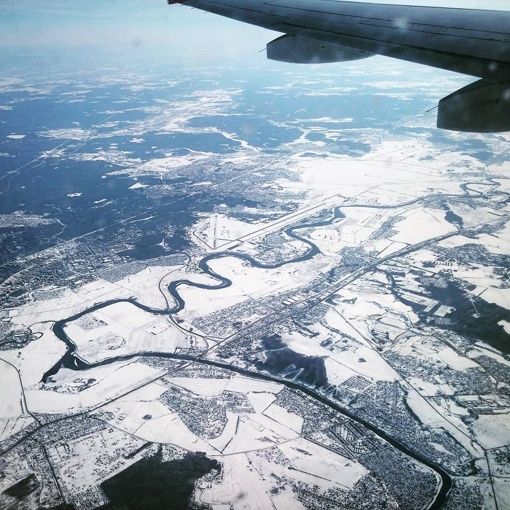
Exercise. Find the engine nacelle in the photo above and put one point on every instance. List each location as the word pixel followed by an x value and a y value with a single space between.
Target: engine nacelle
pixel 481 107
pixel 302 50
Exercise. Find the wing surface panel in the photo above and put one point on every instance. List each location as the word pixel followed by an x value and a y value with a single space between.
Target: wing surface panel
pixel 441 37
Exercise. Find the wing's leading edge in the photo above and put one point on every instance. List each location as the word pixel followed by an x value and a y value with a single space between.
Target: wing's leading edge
pixel 472 42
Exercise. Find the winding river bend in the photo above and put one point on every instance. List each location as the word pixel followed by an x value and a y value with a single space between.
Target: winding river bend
pixel 73 361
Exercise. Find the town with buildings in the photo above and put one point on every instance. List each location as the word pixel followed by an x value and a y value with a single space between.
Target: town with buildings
pixel 256 323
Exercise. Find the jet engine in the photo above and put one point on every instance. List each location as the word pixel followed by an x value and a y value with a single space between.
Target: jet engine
pixel 302 50
pixel 481 107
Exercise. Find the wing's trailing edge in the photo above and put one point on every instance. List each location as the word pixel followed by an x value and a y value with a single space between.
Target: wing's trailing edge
pixel 472 42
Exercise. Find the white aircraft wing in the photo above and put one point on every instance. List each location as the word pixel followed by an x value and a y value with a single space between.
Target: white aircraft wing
pixel 473 42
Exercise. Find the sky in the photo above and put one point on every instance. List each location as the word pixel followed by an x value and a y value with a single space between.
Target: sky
pixel 73 33
pixel 67 30
pixel 103 23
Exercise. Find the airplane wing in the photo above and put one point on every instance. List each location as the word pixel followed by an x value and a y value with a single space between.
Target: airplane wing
pixel 473 42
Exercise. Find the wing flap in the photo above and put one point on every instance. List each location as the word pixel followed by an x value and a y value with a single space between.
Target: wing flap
pixel 302 50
